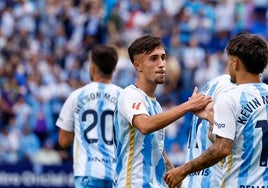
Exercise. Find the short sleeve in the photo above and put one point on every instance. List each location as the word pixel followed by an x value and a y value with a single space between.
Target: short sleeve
pixel 66 117
pixel 224 117
pixel 131 102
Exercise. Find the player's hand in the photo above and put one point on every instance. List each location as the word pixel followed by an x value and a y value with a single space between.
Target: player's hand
pixel 206 113
pixel 169 166
pixel 174 177
pixel 198 101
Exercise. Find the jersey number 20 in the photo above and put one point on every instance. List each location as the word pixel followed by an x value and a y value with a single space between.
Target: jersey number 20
pixel 103 124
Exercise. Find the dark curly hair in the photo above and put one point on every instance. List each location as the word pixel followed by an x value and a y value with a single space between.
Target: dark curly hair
pixel 251 49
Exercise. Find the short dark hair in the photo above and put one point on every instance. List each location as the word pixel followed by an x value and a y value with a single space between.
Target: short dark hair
pixel 251 49
pixel 105 57
pixel 144 44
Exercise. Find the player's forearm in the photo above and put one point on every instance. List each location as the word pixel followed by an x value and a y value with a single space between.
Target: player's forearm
pixel 148 124
pixel 171 115
pixel 159 121
pixel 65 138
pixel 164 119
pixel 210 157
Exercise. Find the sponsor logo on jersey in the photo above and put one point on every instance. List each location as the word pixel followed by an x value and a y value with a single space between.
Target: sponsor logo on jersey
pixel 204 172
pixel 219 125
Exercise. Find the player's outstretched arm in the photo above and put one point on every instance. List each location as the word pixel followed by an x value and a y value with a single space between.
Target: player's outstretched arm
pixel 214 154
pixel 147 124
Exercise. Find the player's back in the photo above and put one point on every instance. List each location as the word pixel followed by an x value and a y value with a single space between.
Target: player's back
pixel 198 140
pixel 246 166
pixel 90 109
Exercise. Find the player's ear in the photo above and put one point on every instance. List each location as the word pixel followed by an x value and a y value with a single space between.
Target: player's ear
pixel 137 66
pixel 236 64
pixel 92 68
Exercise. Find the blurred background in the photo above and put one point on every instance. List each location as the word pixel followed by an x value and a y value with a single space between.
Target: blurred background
pixel 44 47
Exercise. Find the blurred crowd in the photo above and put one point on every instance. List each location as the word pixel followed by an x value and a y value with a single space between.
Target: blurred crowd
pixel 45 44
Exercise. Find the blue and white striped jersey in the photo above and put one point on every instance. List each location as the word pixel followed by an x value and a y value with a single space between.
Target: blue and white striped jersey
pixel 140 162
pixel 88 112
pixel 198 140
pixel 241 115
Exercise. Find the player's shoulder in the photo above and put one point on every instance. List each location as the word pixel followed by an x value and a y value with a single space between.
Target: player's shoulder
pixel 219 83
pixel 253 88
pixel 116 87
pixel 224 79
pixel 75 93
pixel 131 92
pixel 244 92
pixel 229 94
pixel 93 86
pixel 84 89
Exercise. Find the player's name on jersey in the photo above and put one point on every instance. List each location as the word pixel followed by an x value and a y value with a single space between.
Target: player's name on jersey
pixel 95 96
pixel 249 108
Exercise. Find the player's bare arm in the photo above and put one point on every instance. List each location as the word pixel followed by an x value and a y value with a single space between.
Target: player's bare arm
pixel 147 124
pixel 65 138
pixel 214 154
pixel 207 113
pixel 168 163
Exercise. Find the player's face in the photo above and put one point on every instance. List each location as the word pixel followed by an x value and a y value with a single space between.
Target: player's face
pixel 152 66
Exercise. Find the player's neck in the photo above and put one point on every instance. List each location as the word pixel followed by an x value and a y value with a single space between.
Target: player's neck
pixel 102 80
pixel 248 78
pixel 146 88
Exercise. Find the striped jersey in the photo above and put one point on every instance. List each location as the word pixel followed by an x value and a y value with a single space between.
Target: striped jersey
pixel 241 115
pixel 140 162
pixel 88 112
pixel 198 140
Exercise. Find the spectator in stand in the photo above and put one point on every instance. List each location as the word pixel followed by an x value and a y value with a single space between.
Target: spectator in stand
pixel 47 155
pixel 22 112
pixel 193 58
pixel 29 144
pixel 9 143
pixel 10 93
